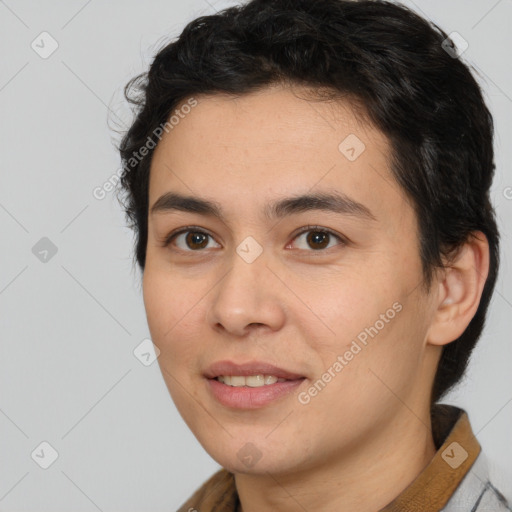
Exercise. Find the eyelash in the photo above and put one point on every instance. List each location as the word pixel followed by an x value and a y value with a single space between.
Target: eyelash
pixel 194 229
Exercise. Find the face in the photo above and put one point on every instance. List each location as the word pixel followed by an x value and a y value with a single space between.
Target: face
pixel 327 289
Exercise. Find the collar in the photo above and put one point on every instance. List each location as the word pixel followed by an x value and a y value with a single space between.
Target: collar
pixel 457 450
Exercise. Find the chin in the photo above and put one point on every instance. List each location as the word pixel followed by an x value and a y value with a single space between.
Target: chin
pixel 256 458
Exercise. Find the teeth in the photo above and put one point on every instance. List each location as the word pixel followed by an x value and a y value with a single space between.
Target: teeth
pixel 252 381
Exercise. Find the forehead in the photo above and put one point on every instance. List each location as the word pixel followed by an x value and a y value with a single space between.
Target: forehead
pixel 273 143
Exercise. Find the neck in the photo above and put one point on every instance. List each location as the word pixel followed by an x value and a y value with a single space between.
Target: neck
pixel 365 479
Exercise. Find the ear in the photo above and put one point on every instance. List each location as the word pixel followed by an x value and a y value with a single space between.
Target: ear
pixel 460 289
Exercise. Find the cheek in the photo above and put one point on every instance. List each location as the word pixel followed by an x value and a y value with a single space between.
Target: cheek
pixel 372 319
pixel 346 305
pixel 172 332
pixel 165 305
pixel 174 313
pixel 156 295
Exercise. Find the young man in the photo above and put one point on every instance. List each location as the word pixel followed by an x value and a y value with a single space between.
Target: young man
pixel 309 186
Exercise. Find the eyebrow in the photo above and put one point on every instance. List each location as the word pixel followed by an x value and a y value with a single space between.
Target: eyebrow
pixel 333 202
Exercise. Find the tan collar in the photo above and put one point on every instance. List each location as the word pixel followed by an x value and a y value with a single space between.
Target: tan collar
pixel 457 450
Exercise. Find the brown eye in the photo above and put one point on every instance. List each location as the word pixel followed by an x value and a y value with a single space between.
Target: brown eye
pixel 317 238
pixel 191 240
pixel 195 240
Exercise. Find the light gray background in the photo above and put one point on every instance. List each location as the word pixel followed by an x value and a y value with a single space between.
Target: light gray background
pixel 69 326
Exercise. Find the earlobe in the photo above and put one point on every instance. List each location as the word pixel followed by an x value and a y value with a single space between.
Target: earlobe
pixel 460 290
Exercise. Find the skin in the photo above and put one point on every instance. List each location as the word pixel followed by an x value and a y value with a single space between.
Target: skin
pixel 364 438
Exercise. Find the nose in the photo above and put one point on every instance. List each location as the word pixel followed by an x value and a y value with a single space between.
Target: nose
pixel 247 299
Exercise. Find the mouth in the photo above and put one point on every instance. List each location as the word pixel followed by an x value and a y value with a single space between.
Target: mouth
pixel 250 381
pixel 249 369
pixel 250 385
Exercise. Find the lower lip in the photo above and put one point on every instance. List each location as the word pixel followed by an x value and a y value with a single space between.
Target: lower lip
pixel 251 398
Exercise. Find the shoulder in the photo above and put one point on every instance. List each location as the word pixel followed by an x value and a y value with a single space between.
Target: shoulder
pixel 476 493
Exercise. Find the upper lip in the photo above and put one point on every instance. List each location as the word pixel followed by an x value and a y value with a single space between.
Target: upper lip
pixel 249 368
